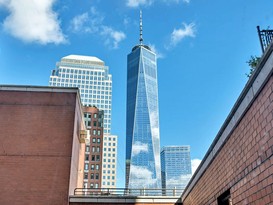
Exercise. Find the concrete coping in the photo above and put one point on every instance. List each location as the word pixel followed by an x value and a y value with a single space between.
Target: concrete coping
pixel 253 87
pixel 117 199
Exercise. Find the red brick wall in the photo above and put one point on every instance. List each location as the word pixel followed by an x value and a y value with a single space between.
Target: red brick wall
pixel 245 163
pixel 36 133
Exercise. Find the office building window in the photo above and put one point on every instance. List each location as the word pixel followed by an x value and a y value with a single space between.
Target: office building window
pixel 87 148
pixel 98 140
pixel 92 176
pixel 85 175
pixel 94 140
pixel 97 176
pixel 97 167
pixel 92 166
pixel 93 158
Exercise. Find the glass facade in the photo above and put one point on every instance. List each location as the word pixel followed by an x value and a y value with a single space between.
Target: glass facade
pixel 175 166
pixel 142 120
pixel 92 78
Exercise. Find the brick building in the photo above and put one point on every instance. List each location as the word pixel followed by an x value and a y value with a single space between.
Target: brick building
pixel 238 167
pixel 41 157
pixel 93 118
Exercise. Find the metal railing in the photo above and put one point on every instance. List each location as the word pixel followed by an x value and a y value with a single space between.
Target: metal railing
pixel 265 37
pixel 126 192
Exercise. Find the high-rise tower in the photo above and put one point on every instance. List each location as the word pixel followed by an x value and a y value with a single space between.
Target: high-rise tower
pixel 175 166
pixel 91 76
pixel 142 119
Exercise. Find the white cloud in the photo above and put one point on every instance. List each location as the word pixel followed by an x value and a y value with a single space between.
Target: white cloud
pixel 33 21
pixel 194 164
pixel 188 30
pixel 142 177
pixel 92 22
pixel 158 53
pixel 138 147
pixel 136 3
pixel 78 22
pixel 116 36
pixel 181 33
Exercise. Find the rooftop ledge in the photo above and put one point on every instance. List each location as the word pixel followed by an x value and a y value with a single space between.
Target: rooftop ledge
pixel 114 199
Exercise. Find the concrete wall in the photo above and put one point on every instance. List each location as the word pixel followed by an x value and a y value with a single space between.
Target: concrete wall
pixel 241 157
pixel 36 135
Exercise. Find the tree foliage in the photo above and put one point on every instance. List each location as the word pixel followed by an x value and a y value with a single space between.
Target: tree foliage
pixel 252 62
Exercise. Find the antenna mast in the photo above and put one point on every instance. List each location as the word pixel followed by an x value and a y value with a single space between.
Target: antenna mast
pixel 140 28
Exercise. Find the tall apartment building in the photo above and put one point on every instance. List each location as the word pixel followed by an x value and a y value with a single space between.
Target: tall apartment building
pixel 175 166
pixel 142 119
pixel 93 79
pixel 109 163
pixel 93 119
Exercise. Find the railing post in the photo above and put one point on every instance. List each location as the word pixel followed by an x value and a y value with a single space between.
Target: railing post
pixel 174 191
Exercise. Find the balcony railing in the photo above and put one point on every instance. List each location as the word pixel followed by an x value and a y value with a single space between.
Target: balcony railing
pixel 126 192
pixel 265 37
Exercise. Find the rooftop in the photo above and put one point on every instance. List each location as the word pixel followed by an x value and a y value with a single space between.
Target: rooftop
pixel 83 59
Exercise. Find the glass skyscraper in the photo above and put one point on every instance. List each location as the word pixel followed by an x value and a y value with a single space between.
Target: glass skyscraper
pixel 92 77
pixel 142 119
pixel 175 166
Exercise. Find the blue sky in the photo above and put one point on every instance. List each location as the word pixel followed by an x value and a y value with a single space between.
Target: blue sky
pixel 202 48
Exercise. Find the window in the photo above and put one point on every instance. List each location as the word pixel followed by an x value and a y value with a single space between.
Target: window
pixel 98 140
pixel 85 185
pixel 93 149
pixel 108 171
pixel 113 160
pixel 92 166
pixel 98 158
pixel 113 183
pixel 109 144
pixel 95 115
pixel 95 123
pixel 113 166
pixel 94 132
pixel 97 176
pixel 108 177
pixel 97 167
pixel 86 157
pixel 85 175
pixel 85 166
pixel 98 149
pixel 94 140
pixel 92 176
pixel 93 158
pixel 109 160
pixel 113 177
pixel 91 185
pixel 224 199
pixel 99 132
pixel 87 148
pixel 96 185
pixel 103 177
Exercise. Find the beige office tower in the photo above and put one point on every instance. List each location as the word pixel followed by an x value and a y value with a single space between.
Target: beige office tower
pixel 109 162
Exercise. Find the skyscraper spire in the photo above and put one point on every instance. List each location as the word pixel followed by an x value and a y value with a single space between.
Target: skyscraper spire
pixel 140 28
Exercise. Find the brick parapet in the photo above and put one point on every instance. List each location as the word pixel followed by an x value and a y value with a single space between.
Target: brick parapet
pixel 240 157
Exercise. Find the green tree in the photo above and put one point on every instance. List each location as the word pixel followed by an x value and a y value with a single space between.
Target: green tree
pixel 252 62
